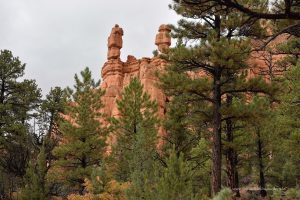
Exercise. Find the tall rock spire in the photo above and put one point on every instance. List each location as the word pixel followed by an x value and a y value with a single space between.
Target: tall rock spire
pixel 116 74
pixel 115 43
pixel 163 38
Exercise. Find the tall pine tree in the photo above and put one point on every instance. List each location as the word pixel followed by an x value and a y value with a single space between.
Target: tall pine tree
pixel 220 75
pixel 83 138
pixel 35 179
pixel 136 134
pixel 18 100
pixel 46 136
pixel 176 179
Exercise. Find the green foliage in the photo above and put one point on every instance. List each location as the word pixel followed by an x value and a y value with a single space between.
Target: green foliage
pixel 224 194
pixel 35 179
pixel 19 98
pixel 136 132
pixel 293 193
pixel 176 179
pixel 50 113
pixel 102 185
pixel 99 179
pixel 290 194
pixel 155 53
pixel 203 13
pixel 83 137
pixel 210 82
pixel 284 168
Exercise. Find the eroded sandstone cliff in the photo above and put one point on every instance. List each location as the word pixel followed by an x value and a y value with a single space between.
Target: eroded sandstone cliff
pixel 116 74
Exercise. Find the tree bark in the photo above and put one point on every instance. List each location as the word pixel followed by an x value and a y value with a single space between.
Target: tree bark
pixel 2 92
pixel 231 155
pixel 81 181
pixel 262 182
pixel 237 180
pixel 216 148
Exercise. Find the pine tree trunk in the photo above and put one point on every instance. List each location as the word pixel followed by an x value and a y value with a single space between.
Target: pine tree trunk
pixel 231 155
pixel 83 166
pixel 1 102
pixel 81 188
pixel 216 148
pixel 262 182
pixel 2 92
pixel 237 183
pixel 51 123
pixel 231 163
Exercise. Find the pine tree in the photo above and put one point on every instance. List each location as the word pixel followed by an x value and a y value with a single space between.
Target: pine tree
pixel 215 76
pixel 283 168
pixel 282 14
pixel 45 139
pixel 136 133
pixel 35 179
pixel 83 138
pixel 102 185
pixel 179 119
pixel 176 179
pixel 51 110
pixel 188 137
pixel 18 100
pixel 257 140
pixel 286 128
pixel 49 114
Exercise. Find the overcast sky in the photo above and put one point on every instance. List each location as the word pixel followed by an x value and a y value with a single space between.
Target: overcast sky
pixel 58 38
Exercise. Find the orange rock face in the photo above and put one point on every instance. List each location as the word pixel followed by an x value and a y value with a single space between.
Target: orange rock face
pixel 116 74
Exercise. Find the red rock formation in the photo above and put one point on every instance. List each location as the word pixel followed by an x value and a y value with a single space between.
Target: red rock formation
pixel 115 43
pixel 163 39
pixel 116 74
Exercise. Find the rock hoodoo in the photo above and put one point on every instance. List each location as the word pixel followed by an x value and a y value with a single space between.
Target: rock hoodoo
pixel 116 74
pixel 115 43
pixel 163 38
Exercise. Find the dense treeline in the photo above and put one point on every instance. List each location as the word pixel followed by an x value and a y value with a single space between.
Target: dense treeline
pixel 228 135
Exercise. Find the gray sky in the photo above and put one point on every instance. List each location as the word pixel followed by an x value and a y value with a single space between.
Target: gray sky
pixel 58 38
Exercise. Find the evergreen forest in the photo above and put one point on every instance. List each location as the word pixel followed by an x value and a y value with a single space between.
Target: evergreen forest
pixel 228 136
